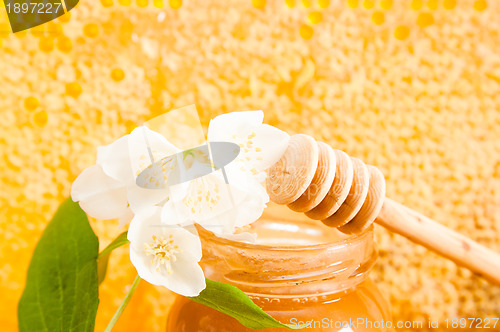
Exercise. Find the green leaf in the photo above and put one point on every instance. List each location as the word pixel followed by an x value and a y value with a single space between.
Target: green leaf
pixel 61 291
pixel 103 258
pixel 232 301
pixel 102 268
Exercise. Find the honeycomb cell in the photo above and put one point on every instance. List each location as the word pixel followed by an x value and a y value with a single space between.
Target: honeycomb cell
pixel 386 4
pixel 449 4
pixel 306 31
pixel 40 118
pixel 54 28
pixel 39 30
pixel 401 32
pixel 323 3
pixel 31 103
pixel 432 4
pixel 259 4
pixel 125 3
pixel 353 3
pixel 425 19
pixel 46 44
pixel 368 4
pixel 307 3
pixel 175 4
pixel 142 3
pixel 117 74
pixel 290 3
pixel 91 30
pixel 4 29
pixel 65 18
pixel 480 5
pixel 158 3
pixel 73 89
pixel 21 34
pixel 64 44
pixel 378 18
pixel 107 3
pixel 315 17
pixel 416 4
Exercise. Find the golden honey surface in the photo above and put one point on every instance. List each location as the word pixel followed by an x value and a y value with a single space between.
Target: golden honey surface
pixel 412 87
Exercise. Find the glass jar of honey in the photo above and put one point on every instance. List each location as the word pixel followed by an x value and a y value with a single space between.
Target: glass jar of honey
pixel 299 271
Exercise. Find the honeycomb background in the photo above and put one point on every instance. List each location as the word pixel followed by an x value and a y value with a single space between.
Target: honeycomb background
pixel 412 87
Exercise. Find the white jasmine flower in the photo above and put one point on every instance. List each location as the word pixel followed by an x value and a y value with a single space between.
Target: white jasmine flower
pixel 144 174
pixel 218 206
pixel 108 189
pixel 147 148
pixel 101 196
pixel 166 255
pixel 261 145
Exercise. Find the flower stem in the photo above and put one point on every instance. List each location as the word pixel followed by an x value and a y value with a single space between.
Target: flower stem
pixel 118 312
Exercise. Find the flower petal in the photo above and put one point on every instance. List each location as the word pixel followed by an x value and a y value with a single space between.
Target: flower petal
pixel 141 199
pixel 140 229
pixel 186 276
pixel 261 145
pixel 269 144
pixel 208 197
pixel 115 160
pixel 174 214
pixel 249 200
pixel 228 124
pixel 125 218
pixel 99 195
pixel 143 226
pixel 143 143
pixel 188 242
pixel 249 208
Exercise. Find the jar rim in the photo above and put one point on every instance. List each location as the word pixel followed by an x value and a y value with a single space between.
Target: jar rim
pixel 284 248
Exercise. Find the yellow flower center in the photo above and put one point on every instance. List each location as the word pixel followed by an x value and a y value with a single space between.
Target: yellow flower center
pixel 247 146
pixel 157 173
pixel 204 194
pixel 163 251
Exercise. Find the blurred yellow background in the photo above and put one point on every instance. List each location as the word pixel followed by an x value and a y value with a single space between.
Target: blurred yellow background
pixel 412 87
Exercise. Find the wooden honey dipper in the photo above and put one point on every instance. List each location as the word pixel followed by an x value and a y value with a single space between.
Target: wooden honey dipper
pixel 344 193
